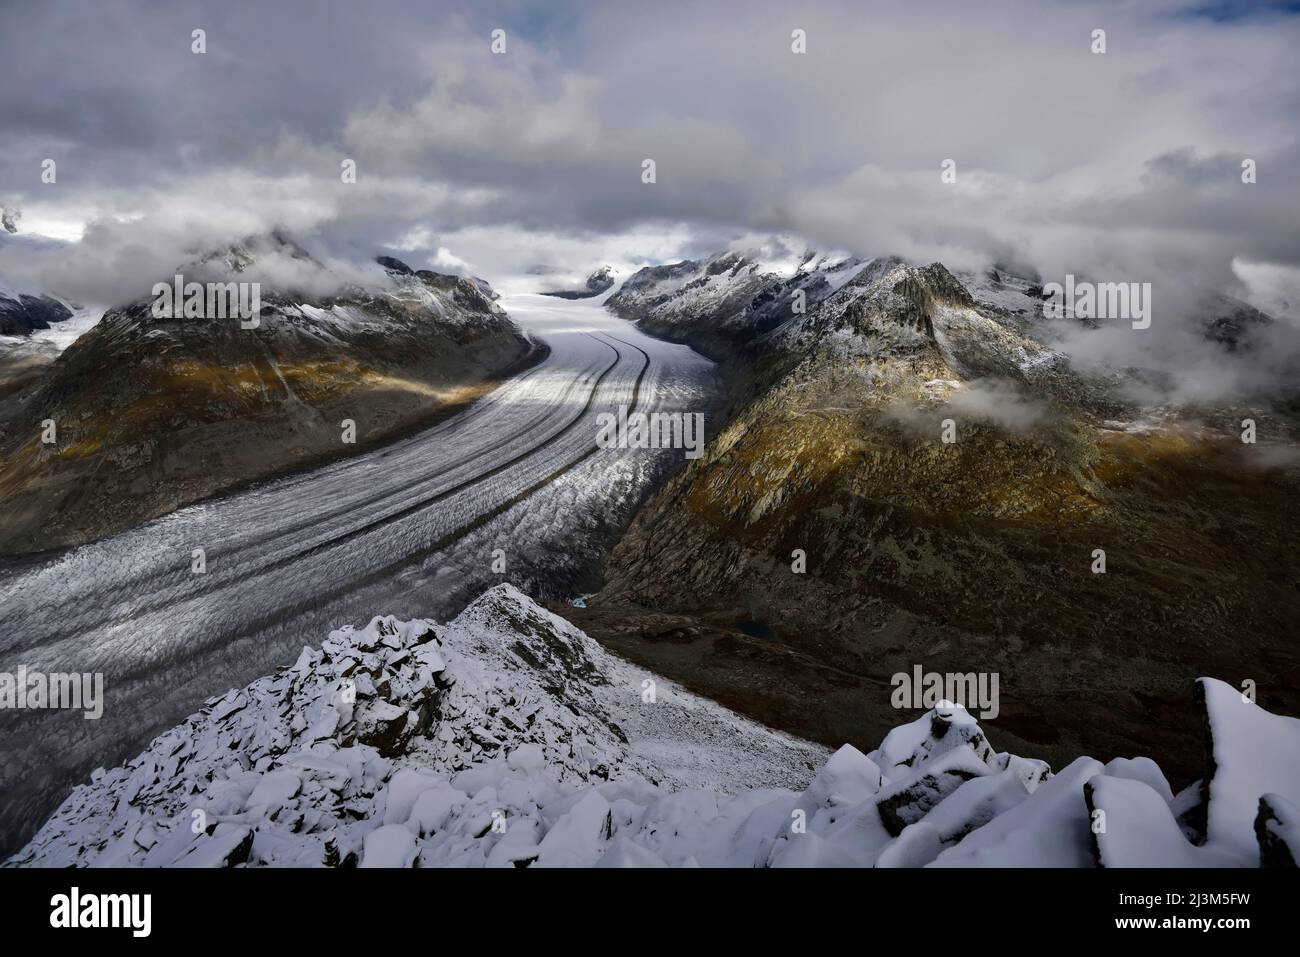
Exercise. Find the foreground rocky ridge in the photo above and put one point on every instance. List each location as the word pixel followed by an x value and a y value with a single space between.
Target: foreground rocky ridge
pixel 970 555
pixel 162 412
pixel 509 738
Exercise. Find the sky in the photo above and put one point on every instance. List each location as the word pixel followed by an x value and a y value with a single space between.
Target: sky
pixel 1123 165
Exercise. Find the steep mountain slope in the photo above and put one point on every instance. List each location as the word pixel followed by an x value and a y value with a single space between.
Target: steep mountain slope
pixel 831 537
pixel 21 313
pixel 508 738
pixel 23 361
pixel 701 303
pixel 152 413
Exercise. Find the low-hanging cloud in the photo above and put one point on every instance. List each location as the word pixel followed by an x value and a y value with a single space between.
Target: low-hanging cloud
pixel 1122 166
pixel 994 402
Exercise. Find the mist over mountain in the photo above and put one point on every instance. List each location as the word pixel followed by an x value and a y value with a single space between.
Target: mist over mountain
pixel 452 142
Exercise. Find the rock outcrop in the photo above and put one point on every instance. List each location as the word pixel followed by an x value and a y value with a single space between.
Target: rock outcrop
pixel 602 280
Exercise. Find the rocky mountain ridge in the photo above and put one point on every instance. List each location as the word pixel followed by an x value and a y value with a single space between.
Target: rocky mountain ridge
pixel 165 411
pixel 914 455
pixel 508 738
pixel 21 314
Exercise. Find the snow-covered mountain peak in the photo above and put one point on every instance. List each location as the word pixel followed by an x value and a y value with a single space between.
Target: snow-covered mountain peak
pixel 887 305
pixel 599 281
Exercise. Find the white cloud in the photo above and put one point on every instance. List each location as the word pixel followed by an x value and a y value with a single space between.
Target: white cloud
pixel 1122 166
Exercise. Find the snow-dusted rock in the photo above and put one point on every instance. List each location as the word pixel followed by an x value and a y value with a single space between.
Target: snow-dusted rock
pixel 389 846
pixel 1047 829
pixel 508 738
pixel 1253 753
pixel 1277 825
pixel 1138 830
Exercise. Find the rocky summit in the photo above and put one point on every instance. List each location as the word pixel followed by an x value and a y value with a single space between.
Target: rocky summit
pixel 508 738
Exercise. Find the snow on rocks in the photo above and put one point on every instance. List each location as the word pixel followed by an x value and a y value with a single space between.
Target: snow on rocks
pixel 1251 753
pixel 391 845
pixel 1137 829
pixel 508 738
pixel 1277 825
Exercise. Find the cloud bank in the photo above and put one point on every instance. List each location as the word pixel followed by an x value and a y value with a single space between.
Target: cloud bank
pixel 1124 165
